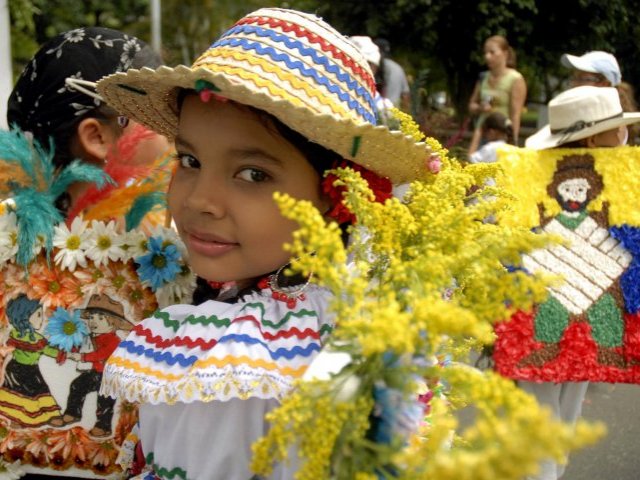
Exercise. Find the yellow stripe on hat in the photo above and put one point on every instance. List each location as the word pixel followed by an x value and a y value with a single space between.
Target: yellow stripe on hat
pixel 269 68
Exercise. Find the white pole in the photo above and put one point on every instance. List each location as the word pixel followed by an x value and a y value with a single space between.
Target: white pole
pixel 156 26
pixel 6 75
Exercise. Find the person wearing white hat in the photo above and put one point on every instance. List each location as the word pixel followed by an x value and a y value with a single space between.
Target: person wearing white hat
pixel 596 68
pixel 371 53
pixel 582 117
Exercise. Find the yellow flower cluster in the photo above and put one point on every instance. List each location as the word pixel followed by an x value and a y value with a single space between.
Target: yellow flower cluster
pixel 508 437
pixel 427 275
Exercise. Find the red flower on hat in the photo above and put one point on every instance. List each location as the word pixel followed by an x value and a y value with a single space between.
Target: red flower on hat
pixel 380 186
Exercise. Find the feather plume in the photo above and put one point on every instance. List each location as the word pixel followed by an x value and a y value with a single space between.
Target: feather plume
pixel 141 206
pixel 36 186
pixel 121 202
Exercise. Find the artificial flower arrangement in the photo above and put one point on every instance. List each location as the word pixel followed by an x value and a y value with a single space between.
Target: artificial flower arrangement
pixel 426 278
pixel 71 291
pixel 588 329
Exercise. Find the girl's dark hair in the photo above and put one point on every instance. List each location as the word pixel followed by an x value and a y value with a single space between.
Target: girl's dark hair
pixel 320 158
pixel 19 310
pixel 498 121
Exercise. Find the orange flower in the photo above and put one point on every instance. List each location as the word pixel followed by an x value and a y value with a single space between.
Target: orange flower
pixel 127 419
pixel 72 288
pixel 46 285
pixel 74 444
pixel 104 453
pixel 13 282
pixel 38 445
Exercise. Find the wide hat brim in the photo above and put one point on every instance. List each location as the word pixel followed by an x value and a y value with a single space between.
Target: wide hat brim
pixel 150 97
pixel 544 138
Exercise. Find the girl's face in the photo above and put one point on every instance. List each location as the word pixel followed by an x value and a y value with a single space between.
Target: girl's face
pixel 494 56
pixel 230 162
pixel 37 319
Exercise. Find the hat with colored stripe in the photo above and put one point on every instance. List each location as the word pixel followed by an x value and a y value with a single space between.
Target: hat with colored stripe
pixel 292 65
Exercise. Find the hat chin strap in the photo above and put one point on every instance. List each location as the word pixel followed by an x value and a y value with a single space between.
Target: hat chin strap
pixel 581 125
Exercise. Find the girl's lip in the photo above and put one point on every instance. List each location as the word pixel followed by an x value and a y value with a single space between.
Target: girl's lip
pixel 209 245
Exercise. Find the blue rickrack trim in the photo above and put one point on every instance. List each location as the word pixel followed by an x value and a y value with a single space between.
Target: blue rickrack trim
pixel 275 355
pixel 159 357
pixel 306 71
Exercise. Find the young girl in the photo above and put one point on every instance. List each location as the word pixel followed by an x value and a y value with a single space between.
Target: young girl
pixel 496 131
pixel 269 107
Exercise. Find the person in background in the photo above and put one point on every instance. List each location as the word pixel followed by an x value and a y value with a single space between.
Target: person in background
pixel 55 98
pixel 371 54
pixel 496 131
pixel 601 69
pixel 502 88
pixel 581 117
pixel 391 78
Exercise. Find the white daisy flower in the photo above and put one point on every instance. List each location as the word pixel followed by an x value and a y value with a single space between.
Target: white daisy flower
pixel 71 244
pixel 8 236
pixel 180 290
pixel 134 244
pixel 104 243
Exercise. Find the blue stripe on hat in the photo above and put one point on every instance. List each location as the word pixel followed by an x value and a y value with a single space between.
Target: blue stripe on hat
pixel 321 60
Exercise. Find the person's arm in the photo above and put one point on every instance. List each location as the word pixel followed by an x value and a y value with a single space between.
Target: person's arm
pixel 474 101
pixel 518 96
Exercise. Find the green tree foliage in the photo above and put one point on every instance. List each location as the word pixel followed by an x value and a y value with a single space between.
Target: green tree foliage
pixel 441 37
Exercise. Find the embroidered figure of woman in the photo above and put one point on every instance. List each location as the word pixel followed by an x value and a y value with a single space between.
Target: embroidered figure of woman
pixel 25 398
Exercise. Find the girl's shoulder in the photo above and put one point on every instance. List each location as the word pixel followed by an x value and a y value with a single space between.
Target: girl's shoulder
pixel 255 347
pixel 512 75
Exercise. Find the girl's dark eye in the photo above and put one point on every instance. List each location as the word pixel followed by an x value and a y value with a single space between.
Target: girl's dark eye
pixel 253 175
pixel 187 161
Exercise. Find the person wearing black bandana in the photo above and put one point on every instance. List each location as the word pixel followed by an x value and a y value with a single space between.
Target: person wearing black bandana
pixel 55 97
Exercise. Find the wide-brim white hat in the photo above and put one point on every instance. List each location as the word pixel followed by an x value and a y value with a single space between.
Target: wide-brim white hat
pixel 579 113
pixel 292 65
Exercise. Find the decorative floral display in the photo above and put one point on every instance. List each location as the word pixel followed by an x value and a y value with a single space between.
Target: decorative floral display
pixel 427 278
pixel 65 330
pixel 71 292
pixel 588 328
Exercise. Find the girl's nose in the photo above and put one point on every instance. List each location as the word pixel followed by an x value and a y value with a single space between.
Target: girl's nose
pixel 208 196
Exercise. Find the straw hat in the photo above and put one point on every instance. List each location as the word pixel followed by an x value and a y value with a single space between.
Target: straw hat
pixel 579 113
pixel 292 65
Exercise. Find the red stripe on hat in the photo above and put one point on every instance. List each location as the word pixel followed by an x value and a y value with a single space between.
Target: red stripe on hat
pixel 315 38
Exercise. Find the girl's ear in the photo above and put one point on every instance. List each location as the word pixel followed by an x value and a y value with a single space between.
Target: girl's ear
pixel 93 140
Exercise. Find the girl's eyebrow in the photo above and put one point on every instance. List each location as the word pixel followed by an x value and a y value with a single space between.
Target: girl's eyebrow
pixel 183 143
pixel 243 153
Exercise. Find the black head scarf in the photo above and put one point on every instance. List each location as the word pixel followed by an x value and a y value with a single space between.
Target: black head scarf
pixel 41 102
